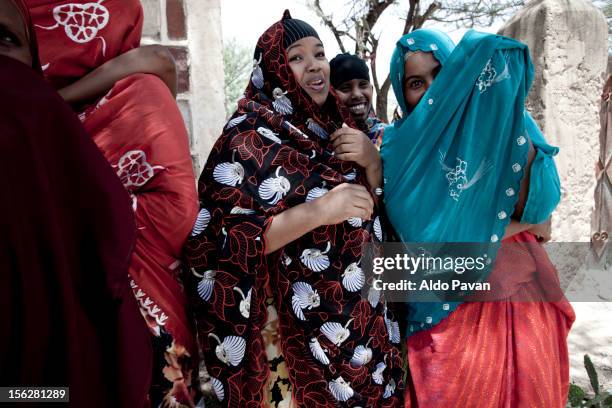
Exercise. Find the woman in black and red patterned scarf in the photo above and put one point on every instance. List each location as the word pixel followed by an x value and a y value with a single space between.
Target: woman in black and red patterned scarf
pixel 287 200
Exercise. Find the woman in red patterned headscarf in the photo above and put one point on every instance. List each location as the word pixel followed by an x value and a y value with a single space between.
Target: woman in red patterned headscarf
pixel 275 256
pixel 90 52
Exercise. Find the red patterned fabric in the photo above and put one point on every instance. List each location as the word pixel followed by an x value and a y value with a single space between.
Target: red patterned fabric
pixel 138 127
pixel 78 36
pixel 504 354
pixel 264 163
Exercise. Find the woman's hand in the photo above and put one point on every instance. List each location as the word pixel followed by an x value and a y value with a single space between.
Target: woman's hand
pixel 353 145
pixel 343 202
pixel 543 231
pixel 336 206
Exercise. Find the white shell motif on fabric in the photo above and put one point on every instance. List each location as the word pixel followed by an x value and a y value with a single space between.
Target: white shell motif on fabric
pixel 257 75
pixel 273 189
pixel 335 332
pixel 392 329
pixel 340 389
pixel 377 375
pixel 230 174
pixel 218 388
pixel 373 296
pixel 353 278
pixel 378 229
pixel 281 103
pixel 201 222
pixel 245 303
pixel 317 351
pixel 235 121
pixel 304 297
pixel 316 129
pixel 268 134
pixel 351 176
pixel 316 193
pixel 362 355
pixel 230 350
pixel 389 389
pixel 240 210
pixel 205 286
pixel 355 222
pixel 314 259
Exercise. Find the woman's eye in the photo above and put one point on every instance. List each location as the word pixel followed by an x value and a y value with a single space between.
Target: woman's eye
pixel 320 54
pixel 417 83
pixel 8 38
pixel 295 58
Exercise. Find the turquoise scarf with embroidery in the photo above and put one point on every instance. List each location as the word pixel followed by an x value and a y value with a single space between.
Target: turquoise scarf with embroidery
pixel 454 164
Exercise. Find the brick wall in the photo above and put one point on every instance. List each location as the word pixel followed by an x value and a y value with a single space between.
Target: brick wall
pixel 181 25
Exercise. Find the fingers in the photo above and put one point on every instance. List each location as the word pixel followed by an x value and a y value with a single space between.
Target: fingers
pixel 344 131
pixel 348 156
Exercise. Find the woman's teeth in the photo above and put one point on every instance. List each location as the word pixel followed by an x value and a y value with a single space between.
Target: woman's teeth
pixel 357 108
pixel 317 85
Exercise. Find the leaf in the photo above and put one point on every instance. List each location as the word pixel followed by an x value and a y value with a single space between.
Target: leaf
pixel 249 145
pixel 331 291
pixel 354 241
pixel 292 161
pixel 361 313
pixel 243 245
pixel 575 395
pixel 590 368
pixel 228 195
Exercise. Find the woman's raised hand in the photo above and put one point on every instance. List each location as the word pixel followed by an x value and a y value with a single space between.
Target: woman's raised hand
pixel 353 145
pixel 343 202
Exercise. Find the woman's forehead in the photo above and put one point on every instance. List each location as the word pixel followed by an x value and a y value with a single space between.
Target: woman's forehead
pixel 306 42
pixel 11 18
pixel 419 62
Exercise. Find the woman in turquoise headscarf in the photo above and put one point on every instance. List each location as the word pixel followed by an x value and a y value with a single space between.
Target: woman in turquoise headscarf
pixel 467 163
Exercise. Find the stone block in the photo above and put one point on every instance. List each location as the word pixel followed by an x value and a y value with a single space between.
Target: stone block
pixel 568 41
pixel 181 56
pixel 176 21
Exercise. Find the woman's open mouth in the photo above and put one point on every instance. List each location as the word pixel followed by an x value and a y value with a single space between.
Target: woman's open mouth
pixel 316 85
pixel 358 109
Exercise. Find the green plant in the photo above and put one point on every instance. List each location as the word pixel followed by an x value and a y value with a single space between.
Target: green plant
pixel 578 397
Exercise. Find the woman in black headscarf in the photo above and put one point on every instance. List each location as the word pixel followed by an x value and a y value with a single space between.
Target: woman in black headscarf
pixel 286 207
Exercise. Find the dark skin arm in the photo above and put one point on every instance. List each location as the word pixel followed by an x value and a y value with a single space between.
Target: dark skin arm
pixel 542 231
pixel 150 59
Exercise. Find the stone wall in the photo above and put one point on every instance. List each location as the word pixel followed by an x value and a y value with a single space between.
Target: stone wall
pixel 569 47
pixel 568 43
pixel 191 29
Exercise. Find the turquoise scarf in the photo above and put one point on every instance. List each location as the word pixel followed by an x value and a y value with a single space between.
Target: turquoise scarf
pixel 453 166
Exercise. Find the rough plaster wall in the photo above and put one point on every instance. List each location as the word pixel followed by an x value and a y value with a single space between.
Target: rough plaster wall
pixel 207 75
pixel 568 44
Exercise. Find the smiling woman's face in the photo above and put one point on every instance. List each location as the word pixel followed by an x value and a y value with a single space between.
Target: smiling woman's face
pixel 13 36
pixel 356 95
pixel 310 67
pixel 420 70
